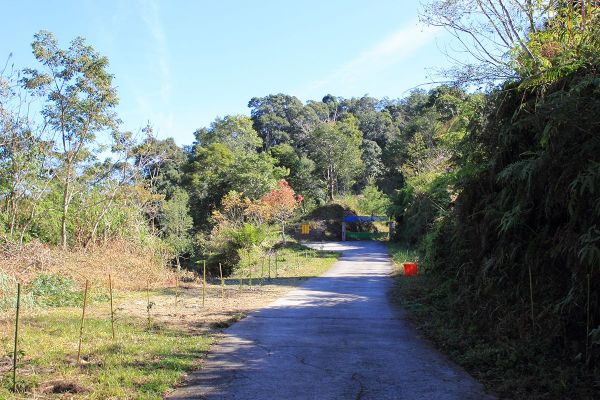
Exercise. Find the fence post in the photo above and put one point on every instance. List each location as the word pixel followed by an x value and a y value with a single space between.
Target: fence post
pixel 203 281
pixel 14 387
pixel 112 310
pixel 222 281
pixel 82 322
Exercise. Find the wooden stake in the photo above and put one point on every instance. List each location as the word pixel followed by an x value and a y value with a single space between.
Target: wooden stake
pixel 82 322
pixel 222 281
pixel 112 310
pixel 177 287
pixel 250 277
pixel 15 349
pixel 276 260
pixel 203 281
pixel 148 305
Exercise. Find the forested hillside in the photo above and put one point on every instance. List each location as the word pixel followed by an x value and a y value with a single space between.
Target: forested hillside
pixel 493 176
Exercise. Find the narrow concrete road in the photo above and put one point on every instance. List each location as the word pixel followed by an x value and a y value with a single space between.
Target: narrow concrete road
pixel 335 337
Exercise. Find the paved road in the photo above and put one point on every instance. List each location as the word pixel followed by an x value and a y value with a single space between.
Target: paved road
pixel 335 337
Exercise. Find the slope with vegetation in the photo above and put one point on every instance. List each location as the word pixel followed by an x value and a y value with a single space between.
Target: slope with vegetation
pixel 509 238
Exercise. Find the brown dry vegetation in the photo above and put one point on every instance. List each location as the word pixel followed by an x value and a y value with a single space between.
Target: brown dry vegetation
pixel 130 266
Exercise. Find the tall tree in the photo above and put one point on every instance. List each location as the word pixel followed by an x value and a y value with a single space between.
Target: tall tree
pixel 80 103
pixel 336 150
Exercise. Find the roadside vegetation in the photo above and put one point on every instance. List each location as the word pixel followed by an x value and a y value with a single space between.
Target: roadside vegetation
pixel 506 233
pixel 492 178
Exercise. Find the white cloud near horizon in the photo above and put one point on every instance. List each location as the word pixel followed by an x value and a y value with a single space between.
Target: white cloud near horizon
pixel 389 51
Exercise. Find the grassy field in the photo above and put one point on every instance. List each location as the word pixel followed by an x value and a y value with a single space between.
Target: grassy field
pixel 160 334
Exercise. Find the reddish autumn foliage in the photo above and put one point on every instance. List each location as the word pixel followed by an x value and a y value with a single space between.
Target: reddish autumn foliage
pixel 281 203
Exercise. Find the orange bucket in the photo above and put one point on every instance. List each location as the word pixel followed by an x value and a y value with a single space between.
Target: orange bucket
pixel 410 269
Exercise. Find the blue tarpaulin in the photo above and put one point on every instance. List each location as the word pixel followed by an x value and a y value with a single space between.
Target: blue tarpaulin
pixel 360 218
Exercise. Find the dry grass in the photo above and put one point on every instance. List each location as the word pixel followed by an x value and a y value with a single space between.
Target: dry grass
pixel 123 261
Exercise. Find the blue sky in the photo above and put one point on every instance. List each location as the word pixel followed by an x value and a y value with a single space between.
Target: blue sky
pixel 179 64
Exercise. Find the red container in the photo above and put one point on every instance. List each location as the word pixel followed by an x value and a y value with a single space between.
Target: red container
pixel 410 269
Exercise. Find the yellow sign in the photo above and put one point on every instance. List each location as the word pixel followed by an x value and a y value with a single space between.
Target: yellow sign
pixel 305 229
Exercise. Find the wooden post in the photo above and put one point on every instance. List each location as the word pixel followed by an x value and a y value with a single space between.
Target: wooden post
pixel 250 277
pixel 177 287
pixel 82 322
pixel 203 281
pixel 222 281
pixel 269 266
pixel 15 349
pixel 148 305
pixel 112 310
pixel 276 260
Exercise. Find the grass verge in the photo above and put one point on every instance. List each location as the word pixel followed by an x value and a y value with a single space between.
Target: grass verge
pixel 512 368
pixel 153 349
pixel 142 362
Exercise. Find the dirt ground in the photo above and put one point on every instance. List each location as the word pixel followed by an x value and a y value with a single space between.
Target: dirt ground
pixel 184 309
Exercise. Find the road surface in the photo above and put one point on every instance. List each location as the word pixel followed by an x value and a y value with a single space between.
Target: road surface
pixel 335 337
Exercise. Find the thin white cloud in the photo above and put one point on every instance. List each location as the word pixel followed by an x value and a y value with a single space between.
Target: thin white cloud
pixel 388 52
pixel 162 115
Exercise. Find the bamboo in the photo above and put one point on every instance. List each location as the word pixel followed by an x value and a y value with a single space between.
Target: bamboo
pixel 85 293
pixel 15 349
pixel 531 297
pixel 203 281
pixel 112 310
pixel 222 281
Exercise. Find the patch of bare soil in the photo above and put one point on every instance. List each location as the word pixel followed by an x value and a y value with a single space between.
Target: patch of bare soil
pixel 185 310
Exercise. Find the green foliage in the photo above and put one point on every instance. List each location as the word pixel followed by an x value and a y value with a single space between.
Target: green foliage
pixel 50 290
pixel 336 150
pixel 530 208
pixel 373 201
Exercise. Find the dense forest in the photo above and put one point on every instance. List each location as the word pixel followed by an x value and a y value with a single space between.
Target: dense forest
pixel 499 189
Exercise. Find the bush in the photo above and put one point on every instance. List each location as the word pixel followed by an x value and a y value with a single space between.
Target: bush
pixel 50 290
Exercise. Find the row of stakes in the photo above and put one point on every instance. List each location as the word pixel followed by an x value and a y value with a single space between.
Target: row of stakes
pixel 149 305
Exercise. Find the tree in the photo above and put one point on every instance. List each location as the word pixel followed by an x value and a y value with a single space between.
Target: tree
pixel 176 223
pixel 301 169
pixel 373 201
pixel 25 159
pixel 80 103
pixel 234 131
pixel 275 118
pixel 493 32
pixel 335 147
pixel 281 203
